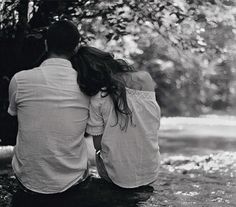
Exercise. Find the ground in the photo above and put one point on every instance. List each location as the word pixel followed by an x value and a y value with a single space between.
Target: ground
pixel 198 169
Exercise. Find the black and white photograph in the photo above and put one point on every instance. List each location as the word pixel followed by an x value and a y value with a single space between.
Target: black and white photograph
pixel 117 103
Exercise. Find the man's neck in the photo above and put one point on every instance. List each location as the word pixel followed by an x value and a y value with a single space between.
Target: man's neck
pixel 58 56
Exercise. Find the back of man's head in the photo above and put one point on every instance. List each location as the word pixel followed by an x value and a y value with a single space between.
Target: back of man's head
pixel 62 38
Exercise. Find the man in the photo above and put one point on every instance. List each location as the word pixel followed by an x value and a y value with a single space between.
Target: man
pixel 50 155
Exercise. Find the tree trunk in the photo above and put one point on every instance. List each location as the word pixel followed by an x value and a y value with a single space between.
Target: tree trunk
pixel 22 26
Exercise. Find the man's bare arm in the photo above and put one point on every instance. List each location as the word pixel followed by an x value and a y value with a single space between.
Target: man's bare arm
pixel 97 142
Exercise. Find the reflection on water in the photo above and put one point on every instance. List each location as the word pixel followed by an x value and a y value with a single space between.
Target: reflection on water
pixel 196 146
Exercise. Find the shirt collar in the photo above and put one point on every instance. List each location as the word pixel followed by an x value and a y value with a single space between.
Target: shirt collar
pixel 57 61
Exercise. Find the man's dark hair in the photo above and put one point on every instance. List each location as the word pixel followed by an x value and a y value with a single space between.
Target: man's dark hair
pixel 62 38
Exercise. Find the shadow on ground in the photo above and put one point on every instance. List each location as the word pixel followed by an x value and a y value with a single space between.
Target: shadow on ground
pixel 198 169
pixel 93 192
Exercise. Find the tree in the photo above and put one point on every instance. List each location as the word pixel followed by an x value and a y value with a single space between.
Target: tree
pixel 178 41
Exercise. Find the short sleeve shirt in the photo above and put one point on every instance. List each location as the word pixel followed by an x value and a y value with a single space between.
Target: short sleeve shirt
pixel 131 157
pixel 50 154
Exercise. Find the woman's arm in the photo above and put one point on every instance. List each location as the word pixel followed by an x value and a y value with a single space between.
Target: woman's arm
pixel 97 142
pixel 95 125
pixel 140 80
pixel 146 81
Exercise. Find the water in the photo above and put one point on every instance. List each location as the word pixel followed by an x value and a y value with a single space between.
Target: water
pixel 198 170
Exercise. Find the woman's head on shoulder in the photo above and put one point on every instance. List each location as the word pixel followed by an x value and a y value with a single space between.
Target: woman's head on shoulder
pixel 100 71
pixel 103 60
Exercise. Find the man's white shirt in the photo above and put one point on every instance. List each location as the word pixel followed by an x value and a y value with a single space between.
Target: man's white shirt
pixel 50 154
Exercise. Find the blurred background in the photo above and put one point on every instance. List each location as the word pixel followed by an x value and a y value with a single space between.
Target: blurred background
pixel 189 48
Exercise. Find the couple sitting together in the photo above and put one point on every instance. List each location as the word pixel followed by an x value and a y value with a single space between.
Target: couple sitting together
pixel 78 91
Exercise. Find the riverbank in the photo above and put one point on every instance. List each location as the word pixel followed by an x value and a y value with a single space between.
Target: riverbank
pixel 194 181
pixel 198 169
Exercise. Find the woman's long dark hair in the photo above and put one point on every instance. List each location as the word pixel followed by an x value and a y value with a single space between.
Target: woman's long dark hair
pixel 99 71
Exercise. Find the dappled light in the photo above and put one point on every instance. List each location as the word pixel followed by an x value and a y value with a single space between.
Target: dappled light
pixel 189 49
pixel 195 171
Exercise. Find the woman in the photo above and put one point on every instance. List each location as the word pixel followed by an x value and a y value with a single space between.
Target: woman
pixel 124 118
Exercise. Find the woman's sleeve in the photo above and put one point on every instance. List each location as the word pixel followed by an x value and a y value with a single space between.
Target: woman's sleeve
pixel 95 124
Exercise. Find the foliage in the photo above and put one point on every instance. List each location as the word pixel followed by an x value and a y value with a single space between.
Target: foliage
pixel 187 45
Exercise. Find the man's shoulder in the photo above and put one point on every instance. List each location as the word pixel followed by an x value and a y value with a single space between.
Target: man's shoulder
pixel 26 73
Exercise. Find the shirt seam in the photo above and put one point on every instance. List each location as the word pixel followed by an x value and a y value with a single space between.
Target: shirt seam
pixel 16 98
